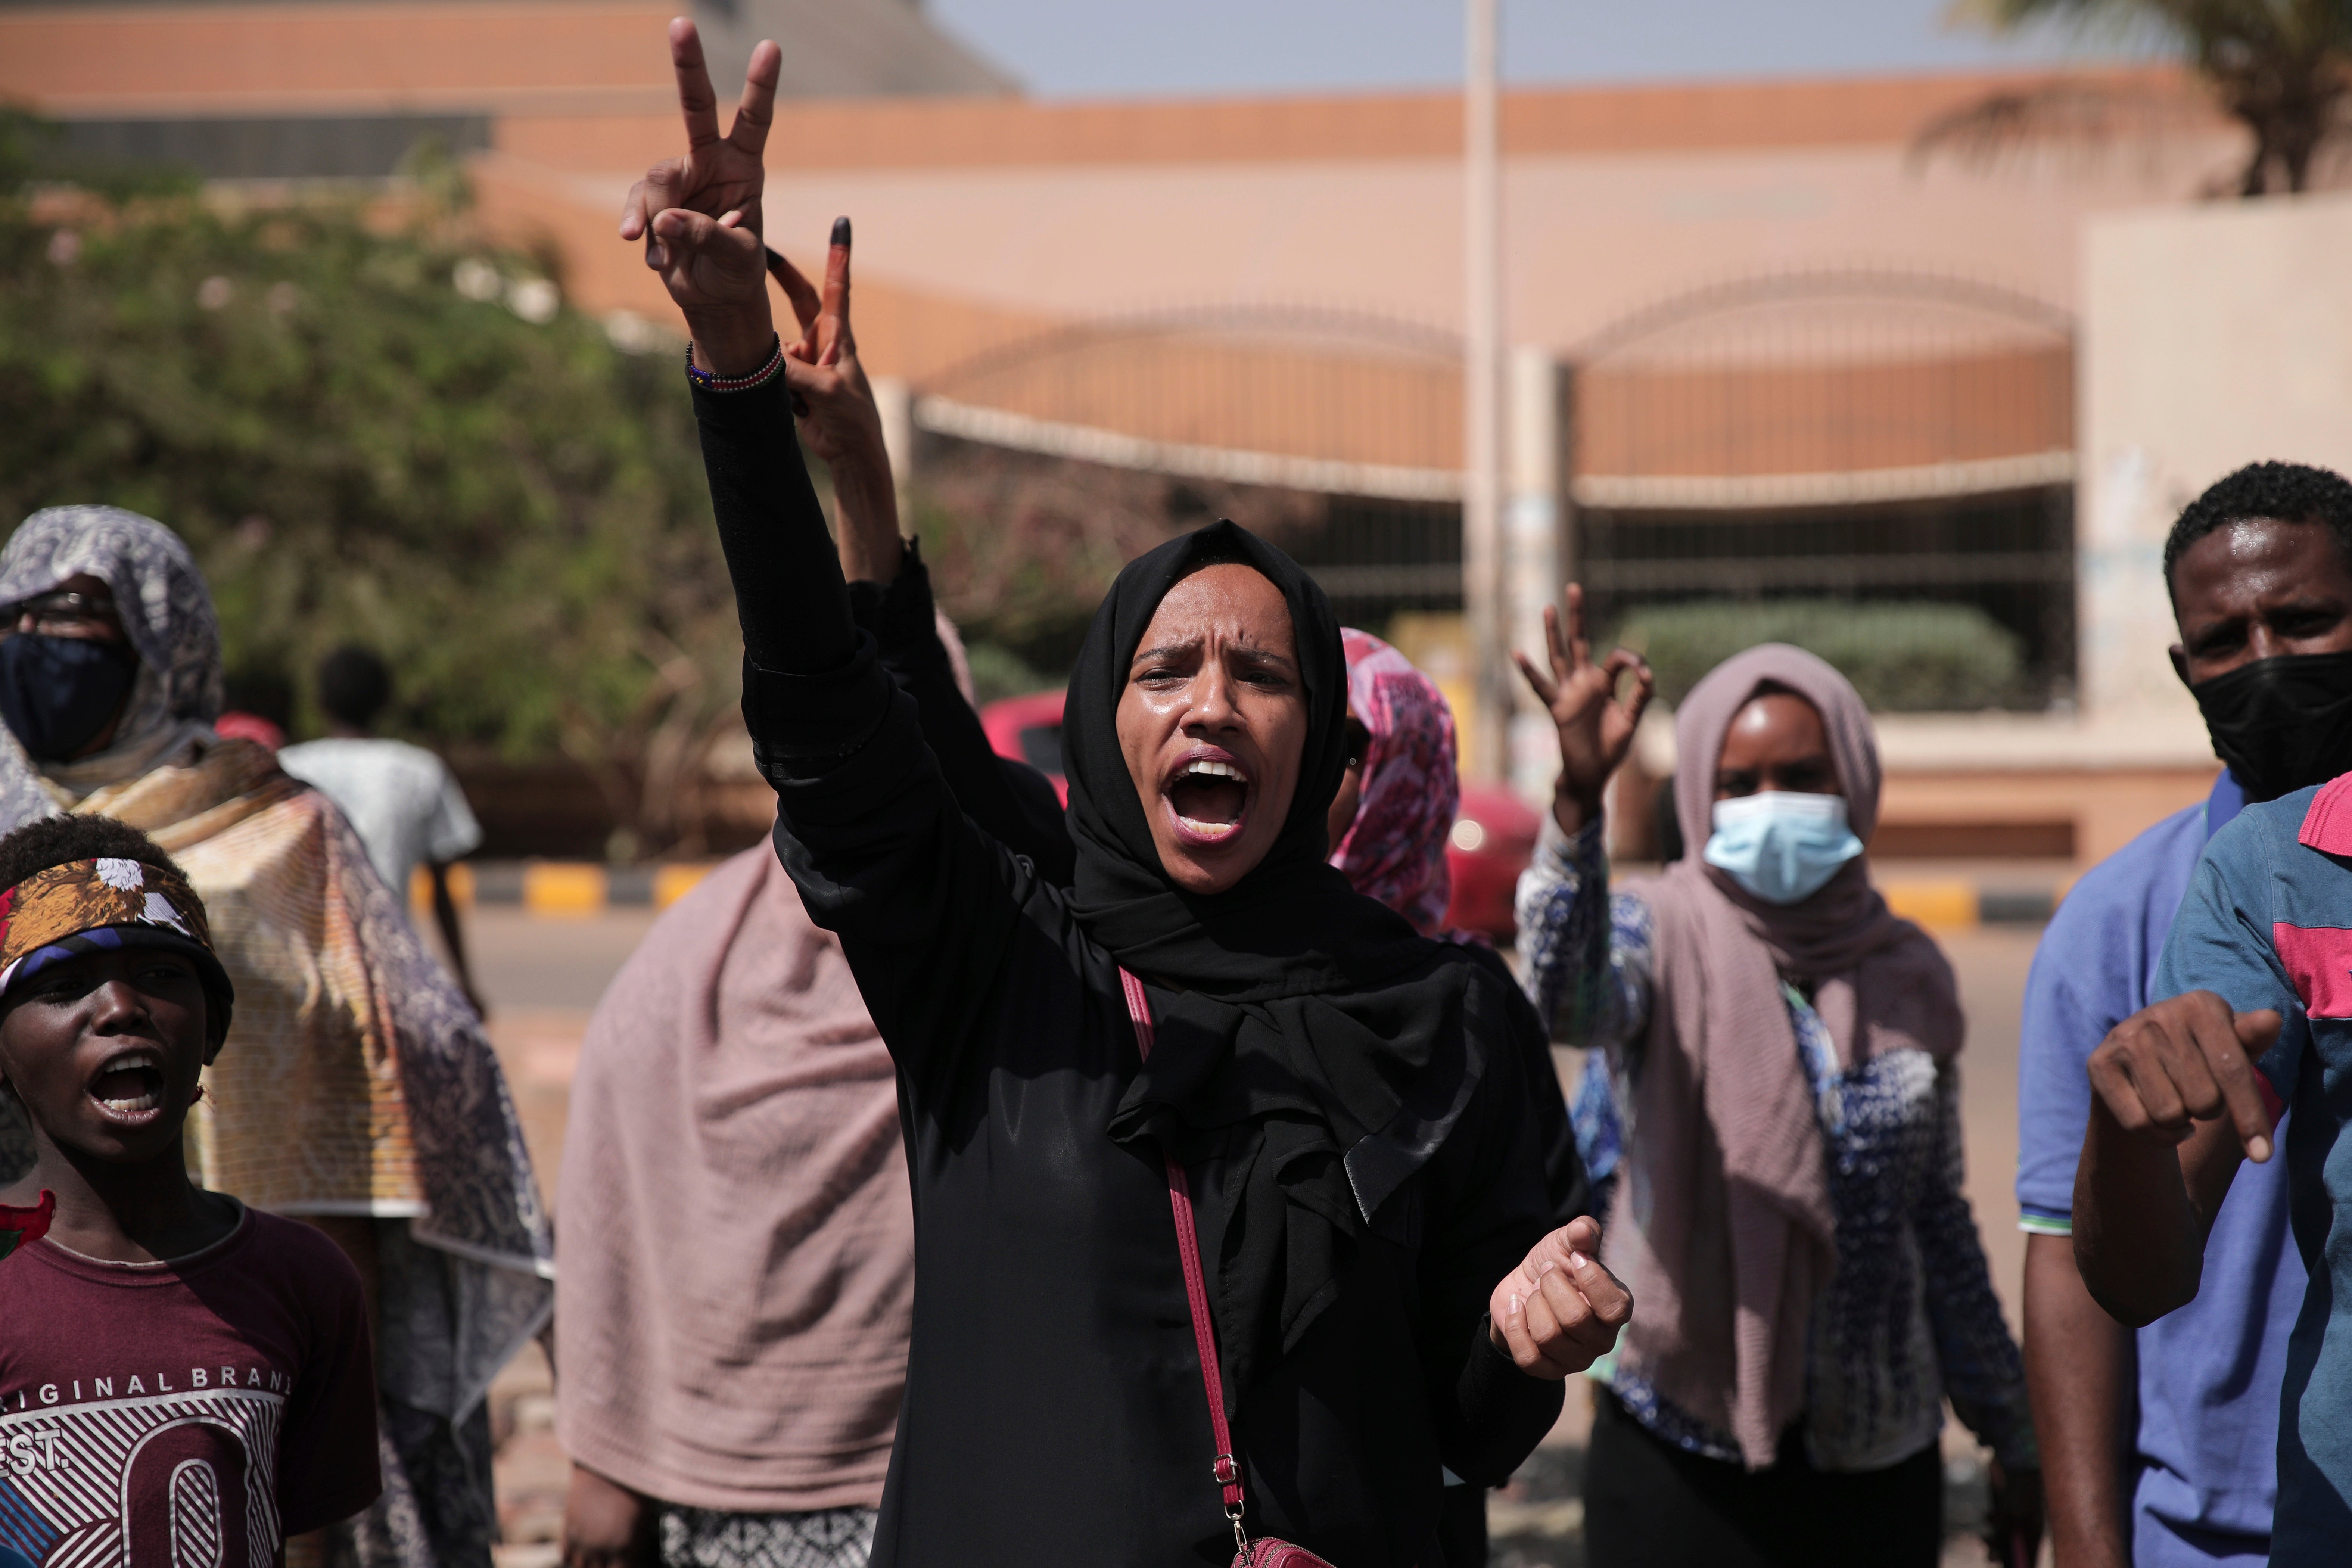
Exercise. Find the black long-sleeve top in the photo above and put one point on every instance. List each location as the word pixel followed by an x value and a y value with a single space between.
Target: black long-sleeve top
pixel 1053 1409
pixel 1011 800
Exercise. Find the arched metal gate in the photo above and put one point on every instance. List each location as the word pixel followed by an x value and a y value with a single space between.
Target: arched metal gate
pixel 1358 414
pixel 1850 435
pixel 1854 435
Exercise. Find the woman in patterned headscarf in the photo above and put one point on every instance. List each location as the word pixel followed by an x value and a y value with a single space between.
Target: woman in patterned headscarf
pixel 1388 831
pixel 1771 1106
pixel 1402 788
pixel 356 1088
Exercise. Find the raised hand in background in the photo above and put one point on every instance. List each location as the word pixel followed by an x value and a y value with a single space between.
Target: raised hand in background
pixel 700 214
pixel 1596 727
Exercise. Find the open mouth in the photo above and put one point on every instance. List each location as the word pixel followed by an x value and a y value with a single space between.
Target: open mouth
pixel 1209 796
pixel 131 1086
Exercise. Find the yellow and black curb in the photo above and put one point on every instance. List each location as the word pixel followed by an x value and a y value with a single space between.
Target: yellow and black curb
pixel 1959 905
pixel 575 890
pixel 562 890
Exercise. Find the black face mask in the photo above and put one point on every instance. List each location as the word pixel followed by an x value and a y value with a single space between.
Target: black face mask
pixel 2282 723
pixel 57 693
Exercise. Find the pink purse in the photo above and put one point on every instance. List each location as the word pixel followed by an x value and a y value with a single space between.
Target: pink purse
pixel 1267 1552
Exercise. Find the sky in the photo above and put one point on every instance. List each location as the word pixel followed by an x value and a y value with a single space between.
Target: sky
pixel 1091 48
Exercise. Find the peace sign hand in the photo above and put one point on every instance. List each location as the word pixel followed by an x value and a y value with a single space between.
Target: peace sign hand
pixel 699 214
pixel 835 401
pixel 839 420
pixel 1596 728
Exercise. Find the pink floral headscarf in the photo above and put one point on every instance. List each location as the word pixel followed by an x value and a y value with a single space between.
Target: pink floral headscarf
pixel 1395 849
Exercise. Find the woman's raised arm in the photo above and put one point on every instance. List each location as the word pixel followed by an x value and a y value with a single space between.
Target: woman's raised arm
pixel 872 832
pixel 699 216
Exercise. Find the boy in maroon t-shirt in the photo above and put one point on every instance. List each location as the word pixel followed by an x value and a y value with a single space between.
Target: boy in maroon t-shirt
pixel 182 1379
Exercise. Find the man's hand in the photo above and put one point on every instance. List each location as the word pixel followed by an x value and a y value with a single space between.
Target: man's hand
pixel 1558 1311
pixel 2012 1535
pixel 2176 1105
pixel 606 1525
pixel 2190 1059
pixel 700 214
pixel 1596 729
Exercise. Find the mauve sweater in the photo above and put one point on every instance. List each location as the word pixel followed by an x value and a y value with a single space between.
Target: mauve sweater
pixel 733 1219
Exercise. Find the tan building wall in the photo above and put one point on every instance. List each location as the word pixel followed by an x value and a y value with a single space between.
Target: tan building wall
pixel 986 226
pixel 1614 197
pixel 2212 336
pixel 2082 814
pixel 581 56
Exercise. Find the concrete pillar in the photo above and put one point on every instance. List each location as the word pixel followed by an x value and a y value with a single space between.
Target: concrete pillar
pixel 1485 733
pixel 1532 552
pixel 895 401
pixel 2213 335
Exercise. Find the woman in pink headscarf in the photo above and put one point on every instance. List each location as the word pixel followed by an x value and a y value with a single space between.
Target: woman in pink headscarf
pixel 1403 787
pixel 1388 830
pixel 1772 1076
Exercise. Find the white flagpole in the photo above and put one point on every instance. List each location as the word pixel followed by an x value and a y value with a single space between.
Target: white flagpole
pixel 1482 430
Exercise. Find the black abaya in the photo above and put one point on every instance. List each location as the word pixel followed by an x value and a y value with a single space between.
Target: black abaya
pixel 1053 1409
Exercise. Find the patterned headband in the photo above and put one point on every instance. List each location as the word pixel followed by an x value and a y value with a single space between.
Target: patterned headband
pixel 87 906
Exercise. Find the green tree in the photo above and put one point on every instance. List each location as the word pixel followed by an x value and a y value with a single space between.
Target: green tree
pixel 2280 68
pixel 370 425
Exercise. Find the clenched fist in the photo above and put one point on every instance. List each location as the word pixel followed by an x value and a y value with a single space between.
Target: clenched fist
pixel 1558 1311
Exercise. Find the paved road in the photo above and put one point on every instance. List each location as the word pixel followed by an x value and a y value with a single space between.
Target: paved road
pixel 541 978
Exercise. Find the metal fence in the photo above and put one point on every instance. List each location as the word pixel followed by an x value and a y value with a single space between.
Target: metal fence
pixel 1867 435
pixel 1870 436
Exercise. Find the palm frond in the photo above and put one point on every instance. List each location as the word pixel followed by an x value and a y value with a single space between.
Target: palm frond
pixel 2080 115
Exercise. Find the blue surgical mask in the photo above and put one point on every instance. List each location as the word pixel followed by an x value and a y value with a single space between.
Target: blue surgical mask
pixel 1780 845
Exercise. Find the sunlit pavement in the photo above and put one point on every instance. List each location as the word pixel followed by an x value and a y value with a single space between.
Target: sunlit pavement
pixel 541 978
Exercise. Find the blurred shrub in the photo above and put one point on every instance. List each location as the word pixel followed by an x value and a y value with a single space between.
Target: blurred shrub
pixel 1022 547
pixel 997 671
pixel 510 509
pixel 1903 657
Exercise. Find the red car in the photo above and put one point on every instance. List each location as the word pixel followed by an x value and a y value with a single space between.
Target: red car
pixel 1029 729
pixel 1493 839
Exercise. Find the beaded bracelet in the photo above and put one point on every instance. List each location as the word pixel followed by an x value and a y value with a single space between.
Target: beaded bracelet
pixel 713 383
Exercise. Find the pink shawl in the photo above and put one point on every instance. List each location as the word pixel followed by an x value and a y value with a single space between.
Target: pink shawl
pixel 1724 1230
pixel 734 1229
pixel 1395 849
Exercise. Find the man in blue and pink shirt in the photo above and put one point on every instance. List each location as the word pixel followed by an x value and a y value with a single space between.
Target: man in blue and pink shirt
pixel 2159 1446
pixel 2257 976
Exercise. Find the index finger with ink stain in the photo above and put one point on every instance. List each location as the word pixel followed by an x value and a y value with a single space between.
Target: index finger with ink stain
pixel 696 101
pixel 835 306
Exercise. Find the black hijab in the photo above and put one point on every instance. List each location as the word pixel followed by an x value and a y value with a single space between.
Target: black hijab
pixel 1318 1049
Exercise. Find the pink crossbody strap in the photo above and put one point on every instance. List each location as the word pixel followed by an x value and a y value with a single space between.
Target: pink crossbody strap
pixel 1227 1472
